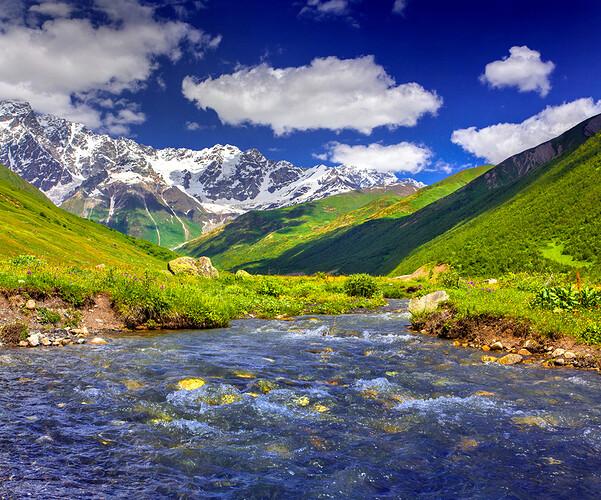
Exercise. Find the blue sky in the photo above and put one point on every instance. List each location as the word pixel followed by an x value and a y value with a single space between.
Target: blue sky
pixel 419 87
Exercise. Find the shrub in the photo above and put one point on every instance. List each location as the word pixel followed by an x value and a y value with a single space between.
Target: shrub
pixel 361 285
pixel 48 317
pixel 269 286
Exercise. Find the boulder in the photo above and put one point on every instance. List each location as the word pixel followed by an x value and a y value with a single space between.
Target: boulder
pixel 206 269
pixel 194 267
pixel 182 265
pixel 242 272
pixel 427 302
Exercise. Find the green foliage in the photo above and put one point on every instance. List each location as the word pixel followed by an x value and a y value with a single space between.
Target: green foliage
pixel 590 333
pixel 48 317
pixel 361 285
pixel 268 285
pixel 449 278
pixel 559 298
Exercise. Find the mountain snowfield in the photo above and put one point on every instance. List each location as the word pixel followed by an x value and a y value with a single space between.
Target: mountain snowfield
pixel 165 195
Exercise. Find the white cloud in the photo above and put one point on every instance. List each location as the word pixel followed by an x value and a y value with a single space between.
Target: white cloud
pixel 52 9
pixel 326 8
pixel 498 142
pixel 399 7
pixel 193 126
pixel 523 69
pixel 38 62
pixel 329 93
pixel 404 157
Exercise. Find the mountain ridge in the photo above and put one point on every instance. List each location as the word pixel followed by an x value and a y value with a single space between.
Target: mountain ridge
pixel 123 184
pixel 386 245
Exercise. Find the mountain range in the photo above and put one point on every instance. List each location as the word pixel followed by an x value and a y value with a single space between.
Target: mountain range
pixel 536 210
pixel 167 196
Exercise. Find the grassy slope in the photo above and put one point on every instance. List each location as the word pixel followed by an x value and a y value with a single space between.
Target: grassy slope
pixel 31 224
pixel 271 232
pixel 258 236
pixel 392 246
pixel 135 221
pixel 553 222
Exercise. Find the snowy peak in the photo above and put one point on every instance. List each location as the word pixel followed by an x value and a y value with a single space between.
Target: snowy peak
pixel 97 176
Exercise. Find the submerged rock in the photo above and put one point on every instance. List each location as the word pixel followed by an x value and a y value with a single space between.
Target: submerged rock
pixel 510 359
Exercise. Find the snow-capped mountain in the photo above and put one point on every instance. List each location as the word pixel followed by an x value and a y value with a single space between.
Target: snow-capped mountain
pixel 165 195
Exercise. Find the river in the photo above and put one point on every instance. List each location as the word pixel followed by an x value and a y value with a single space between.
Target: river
pixel 352 406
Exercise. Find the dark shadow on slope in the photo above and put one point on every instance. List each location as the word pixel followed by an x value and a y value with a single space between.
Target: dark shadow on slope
pixel 378 246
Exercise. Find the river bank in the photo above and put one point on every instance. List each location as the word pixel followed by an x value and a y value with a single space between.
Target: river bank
pixel 507 340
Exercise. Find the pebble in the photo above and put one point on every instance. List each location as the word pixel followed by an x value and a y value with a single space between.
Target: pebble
pixel 30 304
pixel 56 338
pixel 496 346
pixel 558 352
pixel 569 355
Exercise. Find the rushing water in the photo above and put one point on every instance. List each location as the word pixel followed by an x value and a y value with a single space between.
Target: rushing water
pixel 352 406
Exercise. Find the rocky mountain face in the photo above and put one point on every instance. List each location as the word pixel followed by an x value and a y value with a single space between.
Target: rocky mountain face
pixel 164 195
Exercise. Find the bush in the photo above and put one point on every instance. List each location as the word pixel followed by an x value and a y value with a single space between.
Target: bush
pixel 48 317
pixel 361 285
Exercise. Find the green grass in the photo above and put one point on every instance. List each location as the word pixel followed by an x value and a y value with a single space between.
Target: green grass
pixel 268 241
pixel 160 300
pixel 514 296
pixel 31 224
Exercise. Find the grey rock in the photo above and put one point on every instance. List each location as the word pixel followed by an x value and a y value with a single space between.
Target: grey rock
pixel 428 302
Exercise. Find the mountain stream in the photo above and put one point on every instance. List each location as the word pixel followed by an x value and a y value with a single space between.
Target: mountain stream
pixel 352 406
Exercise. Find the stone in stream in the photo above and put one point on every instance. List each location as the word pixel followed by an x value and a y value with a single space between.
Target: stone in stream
pixel 510 359
pixel 427 302
pixel 558 352
pixel 98 341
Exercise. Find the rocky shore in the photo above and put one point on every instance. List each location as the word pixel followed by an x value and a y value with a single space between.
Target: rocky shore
pixel 50 322
pixel 506 340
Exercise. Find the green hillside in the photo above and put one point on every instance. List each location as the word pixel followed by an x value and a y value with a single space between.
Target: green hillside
pixel 144 215
pixel 31 224
pixel 552 221
pixel 538 236
pixel 271 232
pixel 254 239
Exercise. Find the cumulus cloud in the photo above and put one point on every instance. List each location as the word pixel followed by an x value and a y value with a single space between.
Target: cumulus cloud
pixel 38 62
pixel 498 142
pixel 399 7
pixel 404 157
pixel 329 94
pixel 523 69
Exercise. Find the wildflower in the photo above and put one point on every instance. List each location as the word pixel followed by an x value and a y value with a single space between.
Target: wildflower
pixel 28 272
